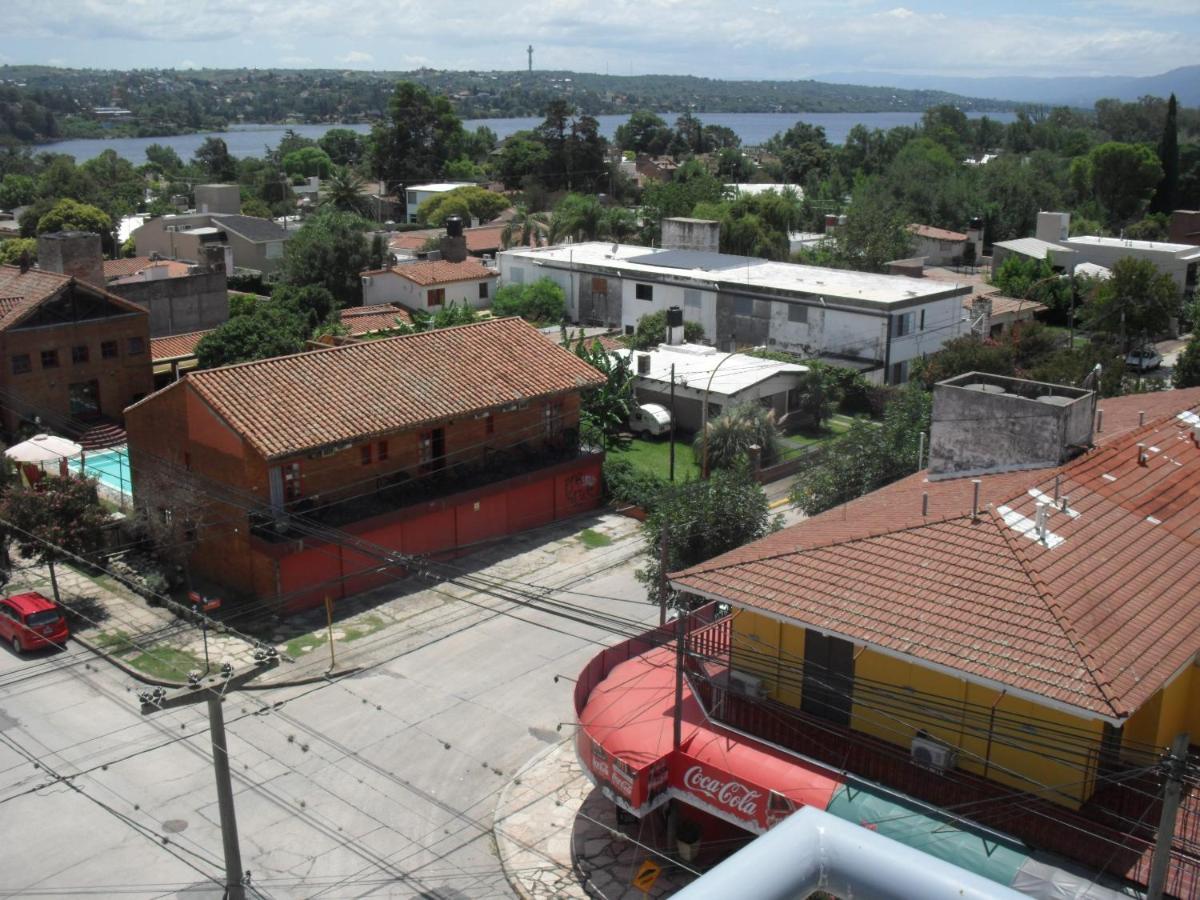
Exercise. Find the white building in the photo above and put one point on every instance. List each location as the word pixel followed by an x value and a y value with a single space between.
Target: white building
pixel 431 285
pixel 751 190
pixel 876 323
pixel 419 193
pixel 723 379
pixel 1177 260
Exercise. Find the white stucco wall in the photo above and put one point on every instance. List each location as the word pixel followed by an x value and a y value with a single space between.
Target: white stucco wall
pixel 666 296
pixel 388 287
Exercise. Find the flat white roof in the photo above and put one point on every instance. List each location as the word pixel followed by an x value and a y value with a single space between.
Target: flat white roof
pixel 722 270
pixel 1098 241
pixel 753 189
pixel 1034 247
pixel 440 186
pixel 695 364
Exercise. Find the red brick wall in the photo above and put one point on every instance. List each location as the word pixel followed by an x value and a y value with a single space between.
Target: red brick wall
pixel 121 380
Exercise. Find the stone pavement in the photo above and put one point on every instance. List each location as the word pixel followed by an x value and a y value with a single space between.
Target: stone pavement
pixel 558 837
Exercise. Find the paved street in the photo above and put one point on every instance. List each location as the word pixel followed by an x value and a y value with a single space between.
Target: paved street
pixel 380 784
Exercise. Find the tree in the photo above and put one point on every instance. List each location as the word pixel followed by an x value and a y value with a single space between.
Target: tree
pixel 868 456
pixel 1187 366
pixel 418 137
pixel 968 353
pixel 12 250
pixel 270 329
pixel 604 411
pixel 312 302
pixel 1123 177
pixel 329 250
pixel 524 227
pixel 343 190
pixel 814 399
pixel 164 159
pixel 343 146
pixel 652 330
pixel 644 133
pixel 1137 302
pixel 578 217
pixel 875 231
pixel 63 512
pixel 308 161
pixel 471 202
pixel 803 150
pixel 734 432
pixel 17 190
pixel 541 302
pixel 1167 193
pixel 214 160
pixel 521 157
pixel 701 519
pixel 68 215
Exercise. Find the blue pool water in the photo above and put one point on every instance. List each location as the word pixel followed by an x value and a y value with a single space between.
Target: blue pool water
pixel 111 468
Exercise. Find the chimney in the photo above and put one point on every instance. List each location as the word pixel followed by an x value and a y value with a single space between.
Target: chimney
pixel 674 325
pixel 74 253
pixel 1040 517
pixel 643 363
pixel 212 257
pixel 454 244
pixel 975 484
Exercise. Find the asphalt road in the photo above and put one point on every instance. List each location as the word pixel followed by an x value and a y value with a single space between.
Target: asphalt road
pixel 380 785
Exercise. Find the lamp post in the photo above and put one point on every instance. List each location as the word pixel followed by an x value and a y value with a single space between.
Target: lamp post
pixel 704 418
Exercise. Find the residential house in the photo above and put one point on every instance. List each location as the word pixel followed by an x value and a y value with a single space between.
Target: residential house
pixel 1062 259
pixel 939 246
pixel 992 314
pixel 876 323
pixel 181 297
pixel 254 244
pixel 417 194
pixel 430 285
pixel 312 466
pixel 71 353
pixel 362 321
pixel 704 374
pixel 1013 629
pixel 482 241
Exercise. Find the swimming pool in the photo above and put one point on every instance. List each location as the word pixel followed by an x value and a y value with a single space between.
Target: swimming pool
pixel 110 468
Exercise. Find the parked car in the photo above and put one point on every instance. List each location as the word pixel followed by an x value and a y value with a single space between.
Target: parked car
pixel 1143 359
pixel 650 418
pixel 29 621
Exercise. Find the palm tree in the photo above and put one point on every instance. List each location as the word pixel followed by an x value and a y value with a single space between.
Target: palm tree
pixel 343 190
pixel 732 433
pixel 618 224
pixel 578 217
pixel 523 226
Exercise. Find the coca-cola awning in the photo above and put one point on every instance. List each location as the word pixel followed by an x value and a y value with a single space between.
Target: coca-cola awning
pixel 626 744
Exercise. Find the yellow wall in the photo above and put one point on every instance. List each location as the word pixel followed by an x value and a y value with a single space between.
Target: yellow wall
pixel 1174 709
pixel 894 699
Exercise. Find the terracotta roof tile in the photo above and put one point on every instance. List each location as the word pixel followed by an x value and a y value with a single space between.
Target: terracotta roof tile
pixel 23 291
pixel 176 346
pixel 118 268
pixel 481 239
pixel 1099 618
pixel 937 234
pixel 440 271
pixel 1003 305
pixel 290 404
pixel 368 319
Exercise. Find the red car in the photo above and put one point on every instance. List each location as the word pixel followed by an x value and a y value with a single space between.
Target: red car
pixel 28 621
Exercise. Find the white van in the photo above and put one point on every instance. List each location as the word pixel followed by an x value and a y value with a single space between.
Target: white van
pixel 650 418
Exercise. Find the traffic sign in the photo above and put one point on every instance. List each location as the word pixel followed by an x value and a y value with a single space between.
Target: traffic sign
pixel 646 875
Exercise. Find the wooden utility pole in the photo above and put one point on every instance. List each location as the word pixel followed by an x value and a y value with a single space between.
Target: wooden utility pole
pixel 663 587
pixel 329 624
pixel 212 691
pixel 672 438
pixel 679 636
pixel 1160 865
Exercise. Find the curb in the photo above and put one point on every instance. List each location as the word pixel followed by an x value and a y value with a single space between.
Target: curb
pixel 777 504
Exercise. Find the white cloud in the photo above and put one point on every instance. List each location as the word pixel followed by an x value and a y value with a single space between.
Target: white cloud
pixel 355 57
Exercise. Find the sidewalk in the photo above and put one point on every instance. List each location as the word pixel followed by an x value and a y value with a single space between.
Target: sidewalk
pixel 558 837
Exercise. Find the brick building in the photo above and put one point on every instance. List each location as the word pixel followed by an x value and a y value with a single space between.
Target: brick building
pixel 418 444
pixel 69 349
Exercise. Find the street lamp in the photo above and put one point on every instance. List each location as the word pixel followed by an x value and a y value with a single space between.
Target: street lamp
pixel 704 418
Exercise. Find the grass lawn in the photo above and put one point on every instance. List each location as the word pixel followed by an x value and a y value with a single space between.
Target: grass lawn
pixel 653 455
pixel 593 539
pixel 166 663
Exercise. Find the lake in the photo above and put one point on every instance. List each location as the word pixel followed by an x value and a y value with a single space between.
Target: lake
pixel 252 140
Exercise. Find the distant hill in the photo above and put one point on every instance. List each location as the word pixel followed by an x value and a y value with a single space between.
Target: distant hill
pixel 1080 91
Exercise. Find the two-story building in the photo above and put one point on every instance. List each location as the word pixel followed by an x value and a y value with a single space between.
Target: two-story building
pixel 71 353
pixel 430 285
pixel 417 194
pixel 407 445
pixel 253 243
pixel 1001 646
pixel 879 324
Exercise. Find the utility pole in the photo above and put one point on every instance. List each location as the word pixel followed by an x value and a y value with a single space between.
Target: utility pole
pixel 672 474
pixel 529 50
pixel 212 691
pixel 663 587
pixel 679 633
pixel 1172 788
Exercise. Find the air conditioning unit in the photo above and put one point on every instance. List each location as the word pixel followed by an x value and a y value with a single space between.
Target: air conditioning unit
pixel 932 754
pixel 746 684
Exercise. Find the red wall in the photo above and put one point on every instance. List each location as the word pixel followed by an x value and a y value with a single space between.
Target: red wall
pixel 439 528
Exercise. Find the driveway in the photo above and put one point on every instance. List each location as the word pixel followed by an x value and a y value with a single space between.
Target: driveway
pixel 380 784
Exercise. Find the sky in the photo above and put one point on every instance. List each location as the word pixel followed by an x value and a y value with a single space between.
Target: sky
pixel 753 39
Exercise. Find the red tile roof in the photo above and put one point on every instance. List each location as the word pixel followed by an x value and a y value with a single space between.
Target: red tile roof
pixel 1003 305
pixel 482 239
pixel 439 271
pixel 367 319
pixel 1097 618
pixel 936 234
pixel 25 291
pixel 176 346
pixel 291 404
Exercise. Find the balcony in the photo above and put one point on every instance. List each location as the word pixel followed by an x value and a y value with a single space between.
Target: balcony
pixel 1113 832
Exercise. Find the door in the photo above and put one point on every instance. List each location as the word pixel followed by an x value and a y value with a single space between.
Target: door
pixel 828 677
pixel 85 399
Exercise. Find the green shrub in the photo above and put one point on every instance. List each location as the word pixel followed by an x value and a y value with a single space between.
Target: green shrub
pixel 626 483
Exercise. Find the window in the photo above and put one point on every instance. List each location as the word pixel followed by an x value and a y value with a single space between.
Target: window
pixel 691 299
pixel 108 349
pixel 79 354
pixel 483 290
pixel 381 451
pixel 21 364
pixel 643 291
pixel 552 418
pixel 743 306
pixel 137 346
pixel 364 453
pixel 629 329
pixel 436 296
pixel 904 325
pixel 899 372
pixel 291 481
pixel 921 327
pixel 49 359
pixel 431 449
pixel 797 313
pixel 489 424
